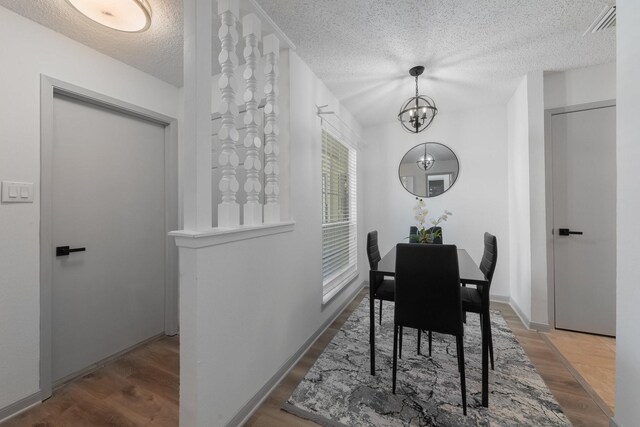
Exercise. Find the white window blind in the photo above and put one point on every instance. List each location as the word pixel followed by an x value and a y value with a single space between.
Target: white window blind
pixel 339 208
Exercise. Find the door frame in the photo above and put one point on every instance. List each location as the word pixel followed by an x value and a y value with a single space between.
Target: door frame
pixel 548 148
pixel 49 87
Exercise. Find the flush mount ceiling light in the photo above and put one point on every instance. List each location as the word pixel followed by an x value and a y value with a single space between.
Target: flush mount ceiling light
pixel 418 112
pixel 131 16
pixel 425 162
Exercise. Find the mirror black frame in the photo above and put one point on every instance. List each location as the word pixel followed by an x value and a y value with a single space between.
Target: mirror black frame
pixel 419 145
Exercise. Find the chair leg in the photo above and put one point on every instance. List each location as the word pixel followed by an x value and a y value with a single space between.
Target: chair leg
pixel 419 337
pixel 489 338
pixel 400 348
pixel 372 325
pixel 463 385
pixel 380 318
pixel 490 344
pixel 429 343
pixel 395 356
pixel 458 356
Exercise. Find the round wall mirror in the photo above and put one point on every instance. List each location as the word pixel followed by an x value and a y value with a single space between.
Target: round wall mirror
pixel 428 169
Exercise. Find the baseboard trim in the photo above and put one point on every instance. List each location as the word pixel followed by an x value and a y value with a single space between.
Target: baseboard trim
pixel 613 423
pixel 540 327
pixel 500 298
pixel 523 318
pixel 250 407
pixel 20 406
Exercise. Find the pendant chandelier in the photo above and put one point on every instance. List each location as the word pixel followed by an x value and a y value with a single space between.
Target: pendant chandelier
pixel 425 162
pixel 418 112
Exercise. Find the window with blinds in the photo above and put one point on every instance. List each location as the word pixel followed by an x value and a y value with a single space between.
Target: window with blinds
pixel 339 208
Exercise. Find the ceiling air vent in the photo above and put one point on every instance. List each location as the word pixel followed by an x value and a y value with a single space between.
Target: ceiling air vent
pixel 606 19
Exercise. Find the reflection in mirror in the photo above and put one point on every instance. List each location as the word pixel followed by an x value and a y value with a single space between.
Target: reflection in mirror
pixel 428 169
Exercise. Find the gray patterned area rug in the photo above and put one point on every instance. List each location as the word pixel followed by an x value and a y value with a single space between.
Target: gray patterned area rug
pixel 338 390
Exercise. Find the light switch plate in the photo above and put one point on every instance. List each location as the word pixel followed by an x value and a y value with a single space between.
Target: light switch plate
pixel 17 192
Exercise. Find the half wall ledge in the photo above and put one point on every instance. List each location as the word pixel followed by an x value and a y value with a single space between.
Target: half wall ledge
pixel 221 236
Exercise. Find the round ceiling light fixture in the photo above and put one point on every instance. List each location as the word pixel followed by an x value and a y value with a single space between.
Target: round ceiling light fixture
pixel 418 112
pixel 131 16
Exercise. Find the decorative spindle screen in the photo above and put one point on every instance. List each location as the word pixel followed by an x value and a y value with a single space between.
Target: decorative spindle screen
pixel 245 149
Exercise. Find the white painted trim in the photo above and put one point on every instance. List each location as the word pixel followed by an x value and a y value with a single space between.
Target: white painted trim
pixel 20 406
pixel 500 298
pixel 613 423
pixel 326 298
pixel 269 23
pixel 252 405
pixel 523 318
pixel 219 236
pixel 548 147
pixel 195 165
pixel 48 88
pixel 540 327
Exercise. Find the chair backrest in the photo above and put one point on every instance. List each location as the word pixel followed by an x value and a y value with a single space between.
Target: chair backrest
pixel 438 238
pixel 373 253
pixel 427 293
pixel 489 256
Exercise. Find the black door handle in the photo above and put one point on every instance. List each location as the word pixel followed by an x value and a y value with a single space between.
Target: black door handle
pixel 566 232
pixel 65 250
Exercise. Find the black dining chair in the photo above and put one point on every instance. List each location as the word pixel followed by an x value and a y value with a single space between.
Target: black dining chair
pixel 471 297
pixel 428 298
pixel 380 288
pixel 413 230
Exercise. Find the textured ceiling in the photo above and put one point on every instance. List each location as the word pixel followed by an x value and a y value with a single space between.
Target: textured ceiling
pixel 157 51
pixel 474 51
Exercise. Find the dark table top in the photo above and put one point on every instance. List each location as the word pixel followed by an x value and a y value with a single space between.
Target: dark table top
pixel 469 271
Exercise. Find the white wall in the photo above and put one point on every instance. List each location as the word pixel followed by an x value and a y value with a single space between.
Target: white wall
pixel 248 306
pixel 537 197
pixel 519 201
pixel 580 86
pixel 627 411
pixel 527 201
pixel 478 199
pixel 26 51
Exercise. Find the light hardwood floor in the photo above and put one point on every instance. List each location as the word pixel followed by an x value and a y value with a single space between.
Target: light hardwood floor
pixel 141 388
pixel 593 360
pixel 577 404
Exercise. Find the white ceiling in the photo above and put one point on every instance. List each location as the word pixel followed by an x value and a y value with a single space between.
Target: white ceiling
pixel 157 51
pixel 474 50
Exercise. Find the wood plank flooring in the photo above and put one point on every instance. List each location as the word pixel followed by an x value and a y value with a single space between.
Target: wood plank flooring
pixel 141 388
pixel 593 357
pixel 575 401
pixel 577 404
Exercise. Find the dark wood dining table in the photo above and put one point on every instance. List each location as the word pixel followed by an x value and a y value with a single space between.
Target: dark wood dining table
pixel 470 274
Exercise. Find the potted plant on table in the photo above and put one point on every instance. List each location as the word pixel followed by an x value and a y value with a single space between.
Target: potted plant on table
pixel 424 234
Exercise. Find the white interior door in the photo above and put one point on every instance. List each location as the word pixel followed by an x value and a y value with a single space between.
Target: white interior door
pixel 584 200
pixel 108 197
